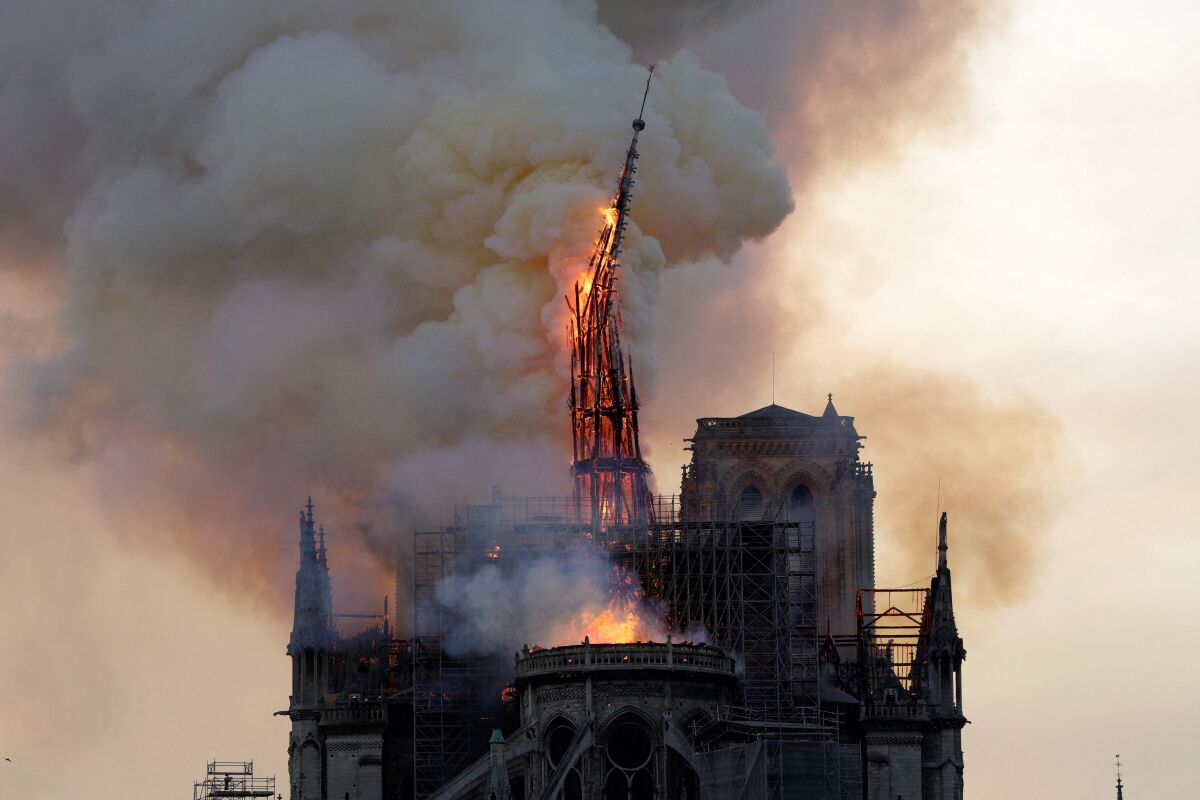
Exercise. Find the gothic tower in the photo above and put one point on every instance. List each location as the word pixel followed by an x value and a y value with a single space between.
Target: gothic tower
pixel 311 640
pixel 776 463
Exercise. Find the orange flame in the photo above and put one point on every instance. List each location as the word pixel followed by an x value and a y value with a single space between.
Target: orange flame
pixel 610 216
pixel 625 619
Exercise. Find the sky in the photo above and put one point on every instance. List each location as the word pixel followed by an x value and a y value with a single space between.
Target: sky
pixel 1033 249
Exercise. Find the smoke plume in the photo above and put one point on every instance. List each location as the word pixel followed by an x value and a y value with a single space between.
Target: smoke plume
pixel 324 244
pixel 548 602
pixel 327 243
pixel 994 464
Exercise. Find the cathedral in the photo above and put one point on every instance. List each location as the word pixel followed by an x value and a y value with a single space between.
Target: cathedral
pixel 814 683
pixel 788 672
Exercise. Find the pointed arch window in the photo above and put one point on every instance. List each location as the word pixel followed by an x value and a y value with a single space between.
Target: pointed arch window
pixel 558 744
pixel 750 504
pixel 630 756
pixel 802 507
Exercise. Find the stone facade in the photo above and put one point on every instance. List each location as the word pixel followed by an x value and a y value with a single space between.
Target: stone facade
pixel 778 463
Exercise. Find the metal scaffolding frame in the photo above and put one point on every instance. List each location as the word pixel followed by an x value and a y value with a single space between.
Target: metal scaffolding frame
pixel 891 642
pixel 750 582
pixel 226 779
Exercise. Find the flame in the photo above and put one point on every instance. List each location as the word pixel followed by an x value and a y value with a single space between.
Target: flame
pixel 621 621
pixel 610 216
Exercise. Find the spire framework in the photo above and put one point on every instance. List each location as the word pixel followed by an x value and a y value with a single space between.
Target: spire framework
pixel 609 474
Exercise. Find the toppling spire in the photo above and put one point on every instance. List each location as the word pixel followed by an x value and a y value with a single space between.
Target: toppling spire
pixel 607 466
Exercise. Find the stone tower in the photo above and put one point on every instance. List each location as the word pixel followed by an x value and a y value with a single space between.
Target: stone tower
pixel 312 638
pixel 776 463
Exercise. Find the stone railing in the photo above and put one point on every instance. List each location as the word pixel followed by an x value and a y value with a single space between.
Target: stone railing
pixel 894 711
pixel 638 656
pixel 363 713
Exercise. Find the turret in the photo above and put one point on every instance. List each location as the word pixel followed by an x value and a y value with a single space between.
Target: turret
pixel 498 786
pixel 945 650
pixel 312 623
pixel 312 637
pixel 942 652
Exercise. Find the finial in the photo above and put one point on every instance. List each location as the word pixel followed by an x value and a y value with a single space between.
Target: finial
pixel 309 505
pixel 1120 788
pixel 321 539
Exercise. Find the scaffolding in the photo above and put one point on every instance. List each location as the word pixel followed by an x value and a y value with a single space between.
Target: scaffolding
pixel 891 643
pixel 232 779
pixel 750 582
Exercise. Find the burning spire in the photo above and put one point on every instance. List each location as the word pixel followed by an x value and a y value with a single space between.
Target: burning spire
pixel 607 465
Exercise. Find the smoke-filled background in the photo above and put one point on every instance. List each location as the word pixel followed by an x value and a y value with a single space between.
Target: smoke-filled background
pixel 248 249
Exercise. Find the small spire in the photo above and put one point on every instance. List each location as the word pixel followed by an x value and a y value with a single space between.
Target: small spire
pixel 830 411
pixel 309 506
pixel 1120 788
pixel 321 544
pixel 942 545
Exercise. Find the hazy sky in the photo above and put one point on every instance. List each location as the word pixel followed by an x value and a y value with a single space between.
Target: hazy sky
pixel 1042 244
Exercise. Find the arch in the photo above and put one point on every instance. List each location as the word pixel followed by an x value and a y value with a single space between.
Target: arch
pixel 694 721
pixel 755 472
pixel 556 739
pixel 555 718
pixel 618 714
pixel 802 470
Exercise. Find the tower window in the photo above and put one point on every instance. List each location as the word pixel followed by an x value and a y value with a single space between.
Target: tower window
pixel 750 503
pixel 801 505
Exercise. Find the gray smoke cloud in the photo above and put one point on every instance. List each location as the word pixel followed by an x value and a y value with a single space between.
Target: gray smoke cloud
pixel 324 244
pixel 548 601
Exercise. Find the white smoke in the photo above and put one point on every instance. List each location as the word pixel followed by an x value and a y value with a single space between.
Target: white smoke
pixel 545 601
pixel 326 242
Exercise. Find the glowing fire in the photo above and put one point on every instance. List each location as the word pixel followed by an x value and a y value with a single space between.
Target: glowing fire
pixel 584 272
pixel 610 216
pixel 624 619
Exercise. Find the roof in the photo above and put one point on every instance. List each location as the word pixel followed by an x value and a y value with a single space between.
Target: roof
pixel 775 411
